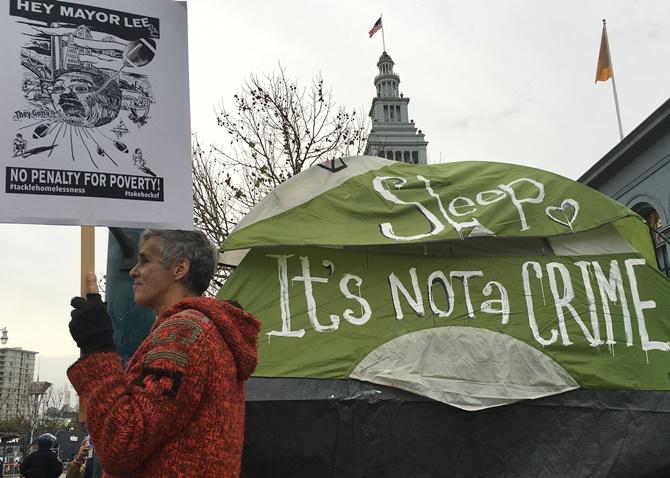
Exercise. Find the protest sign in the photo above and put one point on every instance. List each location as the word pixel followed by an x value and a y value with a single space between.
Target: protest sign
pixel 95 109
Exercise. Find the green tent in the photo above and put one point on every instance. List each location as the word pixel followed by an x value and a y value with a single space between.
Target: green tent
pixel 476 284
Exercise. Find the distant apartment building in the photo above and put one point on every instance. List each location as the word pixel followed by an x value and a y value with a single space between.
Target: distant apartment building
pixel 17 370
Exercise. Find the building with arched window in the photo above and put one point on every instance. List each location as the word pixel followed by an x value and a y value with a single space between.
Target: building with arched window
pixel 636 172
pixel 393 134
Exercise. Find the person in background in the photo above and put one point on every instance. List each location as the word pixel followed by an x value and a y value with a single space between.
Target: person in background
pixel 178 409
pixel 42 463
pixel 77 467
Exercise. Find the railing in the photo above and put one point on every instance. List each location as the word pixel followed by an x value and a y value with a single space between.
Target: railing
pixel 388 75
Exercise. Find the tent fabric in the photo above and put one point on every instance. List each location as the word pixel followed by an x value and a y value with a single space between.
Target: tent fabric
pixel 473 283
pixel 307 185
pixel 602 240
pixel 636 232
pixel 467 367
pixel 324 310
pixel 401 203
pixel 233 258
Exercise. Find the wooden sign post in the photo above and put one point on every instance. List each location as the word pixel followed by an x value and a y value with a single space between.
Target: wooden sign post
pixel 87 256
pixel 87 265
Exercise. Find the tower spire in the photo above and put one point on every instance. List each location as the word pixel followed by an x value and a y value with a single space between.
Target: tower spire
pixel 393 135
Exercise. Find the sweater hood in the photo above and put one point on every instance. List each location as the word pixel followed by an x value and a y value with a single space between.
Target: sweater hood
pixel 238 328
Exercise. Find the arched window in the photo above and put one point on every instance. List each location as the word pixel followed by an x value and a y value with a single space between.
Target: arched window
pixel 653 219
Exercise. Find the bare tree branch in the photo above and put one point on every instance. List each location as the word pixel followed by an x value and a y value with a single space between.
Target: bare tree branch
pixel 275 129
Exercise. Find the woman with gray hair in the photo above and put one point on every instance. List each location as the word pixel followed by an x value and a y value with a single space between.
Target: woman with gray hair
pixel 179 406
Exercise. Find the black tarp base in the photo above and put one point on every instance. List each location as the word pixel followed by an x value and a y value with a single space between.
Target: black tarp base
pixel 346 428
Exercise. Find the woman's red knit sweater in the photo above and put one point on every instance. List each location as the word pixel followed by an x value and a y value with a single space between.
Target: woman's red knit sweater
pixel 178 409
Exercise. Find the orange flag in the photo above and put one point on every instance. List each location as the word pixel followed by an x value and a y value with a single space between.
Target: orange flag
pixel 604 70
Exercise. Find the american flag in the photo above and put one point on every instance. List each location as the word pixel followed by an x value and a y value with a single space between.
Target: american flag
pixel 376 27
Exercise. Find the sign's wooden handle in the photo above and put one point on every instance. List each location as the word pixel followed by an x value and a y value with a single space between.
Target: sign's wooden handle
pixel 87 255
pixel 87 265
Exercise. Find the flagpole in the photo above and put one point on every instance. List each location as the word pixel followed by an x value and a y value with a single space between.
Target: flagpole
pixel 616 104
pixel 383 38
pixel 616 97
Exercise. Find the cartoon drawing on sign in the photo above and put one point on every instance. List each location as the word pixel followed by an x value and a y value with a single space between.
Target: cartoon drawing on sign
pixel 85 97
pixel 141 163
pixel 19 145
pixel 80 85
pixel 120 129
pixel 568 210
pixel 139 111
pixel 138 160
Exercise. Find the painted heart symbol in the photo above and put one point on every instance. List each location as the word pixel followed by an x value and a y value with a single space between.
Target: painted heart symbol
pixel 564 214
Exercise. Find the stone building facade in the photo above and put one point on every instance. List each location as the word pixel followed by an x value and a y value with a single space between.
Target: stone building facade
pixel 636 172
pixel 393 134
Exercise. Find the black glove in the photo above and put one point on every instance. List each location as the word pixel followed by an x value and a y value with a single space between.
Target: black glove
pixel 91 326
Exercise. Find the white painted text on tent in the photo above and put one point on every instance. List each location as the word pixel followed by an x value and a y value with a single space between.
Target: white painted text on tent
pixel 462 206
pixel 415 297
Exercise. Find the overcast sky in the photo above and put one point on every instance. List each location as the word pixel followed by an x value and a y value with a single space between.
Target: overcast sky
pixel 508 81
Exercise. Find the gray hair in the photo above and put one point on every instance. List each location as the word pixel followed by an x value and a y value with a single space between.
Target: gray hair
pixel 193 245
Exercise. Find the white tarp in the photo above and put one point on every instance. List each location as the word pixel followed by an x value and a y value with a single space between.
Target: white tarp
pixel 310 183
pixel 95 112
pixel 467 367
pixel 602 240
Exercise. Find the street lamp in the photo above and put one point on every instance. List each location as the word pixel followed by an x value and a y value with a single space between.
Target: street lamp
pixel 3 337
pixel 35 390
